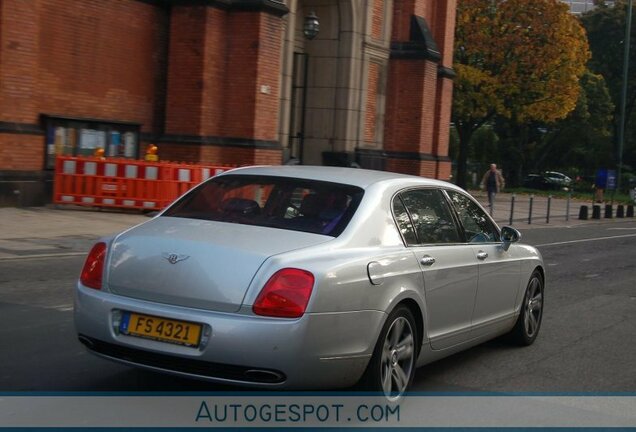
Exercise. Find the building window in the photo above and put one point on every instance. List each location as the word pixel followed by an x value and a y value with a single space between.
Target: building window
pixel 81 137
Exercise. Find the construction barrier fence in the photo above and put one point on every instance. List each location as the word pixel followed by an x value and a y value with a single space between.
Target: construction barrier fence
pixel 125 183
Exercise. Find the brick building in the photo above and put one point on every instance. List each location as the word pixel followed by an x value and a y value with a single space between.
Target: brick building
pixel 223 81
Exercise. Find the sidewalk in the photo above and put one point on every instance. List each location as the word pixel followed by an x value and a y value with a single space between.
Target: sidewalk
pixel 521 215
pixel 45 231
pixel 560 214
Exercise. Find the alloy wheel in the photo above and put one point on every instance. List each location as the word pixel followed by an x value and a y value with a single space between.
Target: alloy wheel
pixel 533 307
pixel 397 361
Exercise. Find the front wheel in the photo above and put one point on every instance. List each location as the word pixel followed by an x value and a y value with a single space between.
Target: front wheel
pixel 528 324
pixel 392 365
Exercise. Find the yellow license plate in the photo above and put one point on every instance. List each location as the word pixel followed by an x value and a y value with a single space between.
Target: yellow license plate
pixel 161 329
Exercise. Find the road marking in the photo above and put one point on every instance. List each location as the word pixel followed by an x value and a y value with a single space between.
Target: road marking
pixel 23 245
pixel 586 240
pixel 62 308
pixel 56 255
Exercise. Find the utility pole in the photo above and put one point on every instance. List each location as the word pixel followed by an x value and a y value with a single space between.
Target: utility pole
pixel 621 126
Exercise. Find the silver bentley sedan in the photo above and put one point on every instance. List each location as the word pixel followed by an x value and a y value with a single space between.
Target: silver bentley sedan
pixel 309 277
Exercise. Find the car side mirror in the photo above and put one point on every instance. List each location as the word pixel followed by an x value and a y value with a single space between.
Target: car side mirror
pixel 509 235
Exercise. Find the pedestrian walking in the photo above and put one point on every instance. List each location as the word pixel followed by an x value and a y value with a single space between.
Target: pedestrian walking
pixel 493 182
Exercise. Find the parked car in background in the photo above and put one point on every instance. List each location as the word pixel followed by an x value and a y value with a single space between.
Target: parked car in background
pixel 559 180
pixel 548 180
pixel 309 277
pixel 535 181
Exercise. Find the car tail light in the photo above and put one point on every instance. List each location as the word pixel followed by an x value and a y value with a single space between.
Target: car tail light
pixel 285 294
pixel 94 267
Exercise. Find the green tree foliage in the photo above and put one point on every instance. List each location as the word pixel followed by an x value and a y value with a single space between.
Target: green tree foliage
pixel 517 59
pixel 579 143
pixel 605 26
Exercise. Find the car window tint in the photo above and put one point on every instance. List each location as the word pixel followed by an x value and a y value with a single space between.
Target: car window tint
pixel 431 215
pixel 278 202
pixel 477 225
pixel 403 222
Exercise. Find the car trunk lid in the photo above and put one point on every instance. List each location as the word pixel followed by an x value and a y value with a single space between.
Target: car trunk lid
pixel 196 263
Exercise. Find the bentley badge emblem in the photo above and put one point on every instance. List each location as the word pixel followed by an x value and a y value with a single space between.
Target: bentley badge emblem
pixel 174 258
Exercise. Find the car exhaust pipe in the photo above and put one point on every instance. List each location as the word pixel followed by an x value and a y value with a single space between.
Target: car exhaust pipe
pixel 265 376
pixel 86 341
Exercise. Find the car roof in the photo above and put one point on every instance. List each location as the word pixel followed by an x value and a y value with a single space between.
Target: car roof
pixel 352 176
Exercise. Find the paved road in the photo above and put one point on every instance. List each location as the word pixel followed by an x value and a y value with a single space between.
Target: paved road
pixel 587 337
pixel 586 342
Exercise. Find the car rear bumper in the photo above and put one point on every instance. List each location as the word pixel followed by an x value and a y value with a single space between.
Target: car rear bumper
pixel 325 350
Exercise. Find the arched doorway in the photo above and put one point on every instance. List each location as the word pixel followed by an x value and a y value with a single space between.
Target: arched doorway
pixel 320 97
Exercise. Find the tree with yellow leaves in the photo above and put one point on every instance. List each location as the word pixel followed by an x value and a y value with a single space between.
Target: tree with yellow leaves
pixel 517 59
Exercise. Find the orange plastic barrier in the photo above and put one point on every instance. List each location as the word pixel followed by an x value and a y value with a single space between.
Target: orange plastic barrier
pixel 125 183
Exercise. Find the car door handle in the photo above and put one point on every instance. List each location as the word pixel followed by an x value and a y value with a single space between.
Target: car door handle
pixel 482 255
pixel 427 260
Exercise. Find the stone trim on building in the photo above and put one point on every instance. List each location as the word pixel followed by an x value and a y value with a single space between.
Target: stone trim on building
pixel 421 44
pixel 196 140
pixel 273 7
pixel 20 128
pixel 416 156
pixel 446 72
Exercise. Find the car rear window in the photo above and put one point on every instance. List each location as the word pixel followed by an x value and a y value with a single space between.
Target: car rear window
pixel 280 202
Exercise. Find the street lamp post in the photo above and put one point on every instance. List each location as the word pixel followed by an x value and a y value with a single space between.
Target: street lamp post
pixel 311 26
pixel 621 126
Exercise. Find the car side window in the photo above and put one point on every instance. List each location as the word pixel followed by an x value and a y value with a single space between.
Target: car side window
pixel 431 216
pixel 477 225
pixel 403 222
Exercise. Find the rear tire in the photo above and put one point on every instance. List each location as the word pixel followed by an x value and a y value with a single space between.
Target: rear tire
pixel 392 365
pixel 528 324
